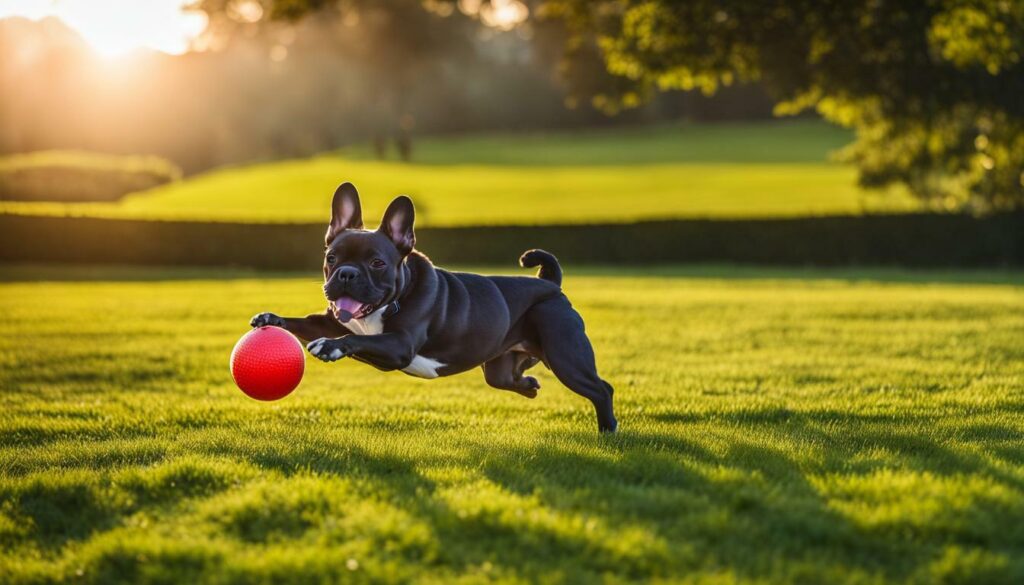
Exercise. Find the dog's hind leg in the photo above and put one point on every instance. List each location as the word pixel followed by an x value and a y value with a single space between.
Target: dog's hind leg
pixel 567 351
pixel 505 372
pixel 524 361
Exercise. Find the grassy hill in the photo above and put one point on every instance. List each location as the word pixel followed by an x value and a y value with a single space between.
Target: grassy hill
pixel 736 170
pixel 75 177
pixel 775 429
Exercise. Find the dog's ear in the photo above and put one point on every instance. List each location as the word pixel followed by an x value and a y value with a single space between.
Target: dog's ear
pixel 397 224
pixel 346 212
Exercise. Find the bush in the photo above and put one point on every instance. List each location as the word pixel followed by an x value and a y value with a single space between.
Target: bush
pixel 901 240
pixel 72 177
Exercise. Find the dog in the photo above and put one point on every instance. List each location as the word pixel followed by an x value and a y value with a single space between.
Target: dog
pixel 390 307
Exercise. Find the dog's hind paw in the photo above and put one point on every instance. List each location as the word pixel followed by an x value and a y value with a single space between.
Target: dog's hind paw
pixel 528 387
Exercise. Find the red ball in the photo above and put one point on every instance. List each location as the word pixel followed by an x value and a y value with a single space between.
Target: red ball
pixel 267 363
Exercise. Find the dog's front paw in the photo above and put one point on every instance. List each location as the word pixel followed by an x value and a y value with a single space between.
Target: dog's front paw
pixel 266 319
pixel 328 350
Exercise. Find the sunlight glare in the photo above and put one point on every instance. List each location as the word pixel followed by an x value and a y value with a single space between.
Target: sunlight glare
pixel 500 14
pixel 117 27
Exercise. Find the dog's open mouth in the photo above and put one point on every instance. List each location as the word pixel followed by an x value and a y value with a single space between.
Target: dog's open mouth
pixel 347 308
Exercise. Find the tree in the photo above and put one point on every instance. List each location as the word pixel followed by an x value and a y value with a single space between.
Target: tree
pixel 934 88
pixel 396 45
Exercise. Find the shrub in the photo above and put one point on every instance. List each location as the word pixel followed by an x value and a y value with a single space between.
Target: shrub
pixel 69 176
pixel 904 240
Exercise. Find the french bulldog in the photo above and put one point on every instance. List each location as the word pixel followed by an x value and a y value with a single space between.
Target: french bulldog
pixel 390 307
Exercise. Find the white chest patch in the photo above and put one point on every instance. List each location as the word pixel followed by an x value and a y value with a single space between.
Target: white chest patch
pixel 423 367
pixel 372 324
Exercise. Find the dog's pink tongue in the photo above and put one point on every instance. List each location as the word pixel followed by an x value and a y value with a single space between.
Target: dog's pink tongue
pixel 347 307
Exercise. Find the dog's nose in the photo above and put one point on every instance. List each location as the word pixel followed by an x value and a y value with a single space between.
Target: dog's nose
pixel 347 273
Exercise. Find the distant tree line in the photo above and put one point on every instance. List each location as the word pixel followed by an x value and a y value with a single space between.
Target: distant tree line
pixel 279 88
pixel 934 88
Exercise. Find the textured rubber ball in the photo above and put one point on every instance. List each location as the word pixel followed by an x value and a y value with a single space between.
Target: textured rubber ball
pixel 267 363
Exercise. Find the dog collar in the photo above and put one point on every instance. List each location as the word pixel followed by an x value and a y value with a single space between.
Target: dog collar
pixel 390 309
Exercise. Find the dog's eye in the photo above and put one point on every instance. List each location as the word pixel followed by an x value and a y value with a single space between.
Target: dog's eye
pixel 331 259
pixel 378 263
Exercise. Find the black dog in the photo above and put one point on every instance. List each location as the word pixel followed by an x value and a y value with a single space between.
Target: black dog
pixel 390 307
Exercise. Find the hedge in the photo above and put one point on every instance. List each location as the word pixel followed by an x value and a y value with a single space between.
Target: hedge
pixel 70 176
pixel 913 240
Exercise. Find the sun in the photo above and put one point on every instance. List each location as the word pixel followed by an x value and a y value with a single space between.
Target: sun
pixel 116 27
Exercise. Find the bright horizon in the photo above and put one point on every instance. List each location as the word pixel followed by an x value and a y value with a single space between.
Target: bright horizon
pixel 117 27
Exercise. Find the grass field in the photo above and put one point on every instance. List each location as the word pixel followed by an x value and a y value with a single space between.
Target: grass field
pixel 778 427
pixel 620 175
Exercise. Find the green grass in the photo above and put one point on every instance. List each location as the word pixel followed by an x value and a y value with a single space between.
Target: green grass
pixel 778 427
pixel 779 141
pixel 749 170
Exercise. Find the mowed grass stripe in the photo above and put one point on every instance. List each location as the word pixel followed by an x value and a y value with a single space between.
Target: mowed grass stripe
pixel 820 430
pixel 756 170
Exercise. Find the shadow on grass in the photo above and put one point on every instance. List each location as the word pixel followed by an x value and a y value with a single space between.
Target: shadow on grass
pixel 755 505
pixel 843 435
pixel 57 509
pixel 729 510
pixel 462 542
pixel 641 505
pixel 644 505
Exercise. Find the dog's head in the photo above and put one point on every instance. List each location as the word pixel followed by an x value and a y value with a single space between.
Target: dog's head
pixel 363 268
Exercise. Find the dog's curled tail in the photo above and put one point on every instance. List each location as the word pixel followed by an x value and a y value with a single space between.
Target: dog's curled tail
pixel 549 268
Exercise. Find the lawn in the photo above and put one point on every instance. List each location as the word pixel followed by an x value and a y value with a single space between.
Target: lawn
pixel 778 426
pixel 607 175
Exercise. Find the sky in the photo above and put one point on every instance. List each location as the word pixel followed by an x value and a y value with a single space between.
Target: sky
pixel 117 27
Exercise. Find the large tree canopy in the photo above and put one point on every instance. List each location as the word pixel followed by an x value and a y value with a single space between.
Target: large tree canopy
pixel 934 88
